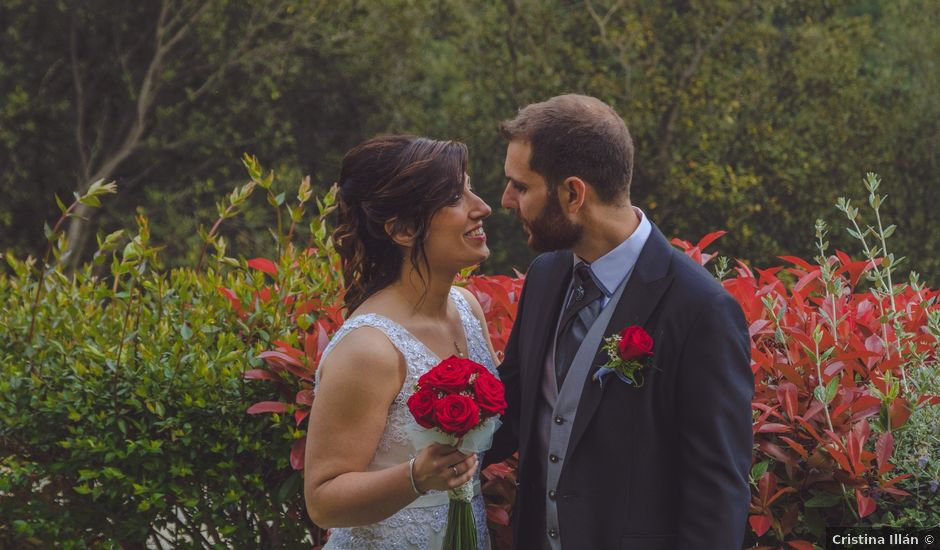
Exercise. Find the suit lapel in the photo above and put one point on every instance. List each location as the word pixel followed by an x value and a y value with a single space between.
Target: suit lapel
pixel 646 286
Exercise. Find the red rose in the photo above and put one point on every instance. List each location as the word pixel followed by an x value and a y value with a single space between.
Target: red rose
pixel 635 343
pixel 421 405
pixel 490 394
pixel 450 375
pixel 456 414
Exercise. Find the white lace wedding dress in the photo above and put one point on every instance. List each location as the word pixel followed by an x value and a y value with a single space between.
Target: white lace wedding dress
pixel 419 526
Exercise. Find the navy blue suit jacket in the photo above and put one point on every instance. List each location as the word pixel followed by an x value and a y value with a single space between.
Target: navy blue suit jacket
pixel 660 467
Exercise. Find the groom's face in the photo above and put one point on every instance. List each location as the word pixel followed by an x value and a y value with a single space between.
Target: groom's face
pixel 537 207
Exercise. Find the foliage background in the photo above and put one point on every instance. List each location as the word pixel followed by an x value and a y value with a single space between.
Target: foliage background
pixel 751 116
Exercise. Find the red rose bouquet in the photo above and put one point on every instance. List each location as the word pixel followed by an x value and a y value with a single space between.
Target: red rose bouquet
pixel 458 402
pixel 629 352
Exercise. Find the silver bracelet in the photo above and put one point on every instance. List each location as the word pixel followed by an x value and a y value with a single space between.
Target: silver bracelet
pixel 411 476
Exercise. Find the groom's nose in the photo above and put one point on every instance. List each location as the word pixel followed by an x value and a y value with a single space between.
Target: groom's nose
pixel 509 198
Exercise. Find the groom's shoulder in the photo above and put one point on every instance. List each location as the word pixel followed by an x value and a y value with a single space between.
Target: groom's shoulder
pixel 549 262
pixel 695 282
pixel 546 267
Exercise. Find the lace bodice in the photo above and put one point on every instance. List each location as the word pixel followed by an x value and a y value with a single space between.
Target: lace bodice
pixel 413 527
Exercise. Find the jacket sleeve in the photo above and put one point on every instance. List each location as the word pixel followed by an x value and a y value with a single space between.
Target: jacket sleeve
pixel 506 440
pixel 715 389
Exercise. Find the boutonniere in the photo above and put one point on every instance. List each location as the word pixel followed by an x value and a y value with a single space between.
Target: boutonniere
pixel 630 352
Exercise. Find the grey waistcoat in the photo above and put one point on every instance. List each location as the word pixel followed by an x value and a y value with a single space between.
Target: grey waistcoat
pixel 552 436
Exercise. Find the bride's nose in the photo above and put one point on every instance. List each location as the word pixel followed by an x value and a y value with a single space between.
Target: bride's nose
pixel 480 209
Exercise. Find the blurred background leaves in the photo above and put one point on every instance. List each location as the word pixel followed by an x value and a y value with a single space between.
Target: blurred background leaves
pixel 747 116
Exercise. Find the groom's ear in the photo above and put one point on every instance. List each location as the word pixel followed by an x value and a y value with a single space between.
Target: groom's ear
pixel 572 193
pixel 400 233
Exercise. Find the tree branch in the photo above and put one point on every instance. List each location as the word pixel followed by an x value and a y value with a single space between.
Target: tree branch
pixel 79 100
pixel 620 46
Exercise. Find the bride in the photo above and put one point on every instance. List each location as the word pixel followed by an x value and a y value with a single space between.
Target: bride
pixel 409 222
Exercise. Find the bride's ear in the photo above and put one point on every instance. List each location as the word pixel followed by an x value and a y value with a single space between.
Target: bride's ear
pixel 400 233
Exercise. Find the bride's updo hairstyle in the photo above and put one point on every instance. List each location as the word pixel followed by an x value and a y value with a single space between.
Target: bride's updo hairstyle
pixel 400 179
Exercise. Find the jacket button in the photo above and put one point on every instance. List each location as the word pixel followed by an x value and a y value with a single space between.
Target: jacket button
pixel 553 533
pixel 551 494
pixel 559 420
pixel 553 458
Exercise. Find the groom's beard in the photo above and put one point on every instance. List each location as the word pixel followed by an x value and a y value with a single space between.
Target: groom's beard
pixel 551 230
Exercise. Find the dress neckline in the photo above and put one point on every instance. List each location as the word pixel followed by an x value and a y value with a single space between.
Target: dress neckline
pixel 427 350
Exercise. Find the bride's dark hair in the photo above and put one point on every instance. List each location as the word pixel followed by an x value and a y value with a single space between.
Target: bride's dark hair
pixel 400 179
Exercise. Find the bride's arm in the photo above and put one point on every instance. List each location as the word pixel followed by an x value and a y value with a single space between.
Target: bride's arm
pixel 359 380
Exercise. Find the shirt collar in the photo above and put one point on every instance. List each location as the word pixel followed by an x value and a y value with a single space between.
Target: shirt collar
pixel 612 268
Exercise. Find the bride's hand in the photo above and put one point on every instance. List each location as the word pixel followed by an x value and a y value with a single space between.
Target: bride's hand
pixel 442 467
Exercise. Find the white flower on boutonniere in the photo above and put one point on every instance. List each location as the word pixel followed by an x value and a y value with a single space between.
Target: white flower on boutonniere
pixel 630 352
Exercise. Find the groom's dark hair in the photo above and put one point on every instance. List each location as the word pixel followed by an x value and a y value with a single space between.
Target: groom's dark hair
pixel 576 135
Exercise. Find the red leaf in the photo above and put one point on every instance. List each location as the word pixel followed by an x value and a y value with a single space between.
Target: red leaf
pixel 709 239
pixel 760 524
pixel 895 491
pixel 775 452
pixel 279 358
pixel 929 399
pixel 894 480
pixel 789 395
pixel 501 471
pixel 899 412
pixel 796 447
pixel 684 245
pixel 883 449
pixel 805 280
pixel 814 408
pixel 866 404
pixel 841 459
pixel 284 347
pixel 854 269
pixel 263 264
pixel 299 416
pixel 267 407
pixel 261 374
pixel 264 295
pixel 232 298
pixel 797 261
pixel 757 326
pixel 874 345
pixel 322 340
pixel 304 397
pixel 771 427
pixel 779 494
pixel 866 505
pixel 809 428
pixel 297 455
pixel 497 516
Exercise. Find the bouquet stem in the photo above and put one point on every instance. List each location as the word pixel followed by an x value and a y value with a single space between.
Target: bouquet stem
pixel 461 533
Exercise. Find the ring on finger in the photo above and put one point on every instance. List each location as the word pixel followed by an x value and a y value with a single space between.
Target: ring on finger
pixel 456 473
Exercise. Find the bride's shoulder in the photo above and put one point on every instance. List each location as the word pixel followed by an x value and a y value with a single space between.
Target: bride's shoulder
pixel 474 304
pixel 364 350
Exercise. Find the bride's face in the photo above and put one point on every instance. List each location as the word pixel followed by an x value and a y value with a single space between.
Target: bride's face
pixel 455 235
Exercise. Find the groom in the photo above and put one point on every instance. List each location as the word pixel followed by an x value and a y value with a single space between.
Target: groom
pixel 606 464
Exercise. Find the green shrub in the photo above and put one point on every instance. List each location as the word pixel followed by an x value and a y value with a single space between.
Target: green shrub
pixel 123 403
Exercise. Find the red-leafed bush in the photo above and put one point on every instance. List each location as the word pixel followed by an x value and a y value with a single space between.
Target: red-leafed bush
pixel 844 362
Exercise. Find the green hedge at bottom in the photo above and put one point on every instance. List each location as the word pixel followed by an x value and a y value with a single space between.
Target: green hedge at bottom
pixel 122 420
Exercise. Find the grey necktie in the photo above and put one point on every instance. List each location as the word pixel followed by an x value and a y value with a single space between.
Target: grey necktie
pixel 583 308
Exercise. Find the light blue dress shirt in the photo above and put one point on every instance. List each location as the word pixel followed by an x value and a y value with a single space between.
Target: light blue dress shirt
pixel 612 268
